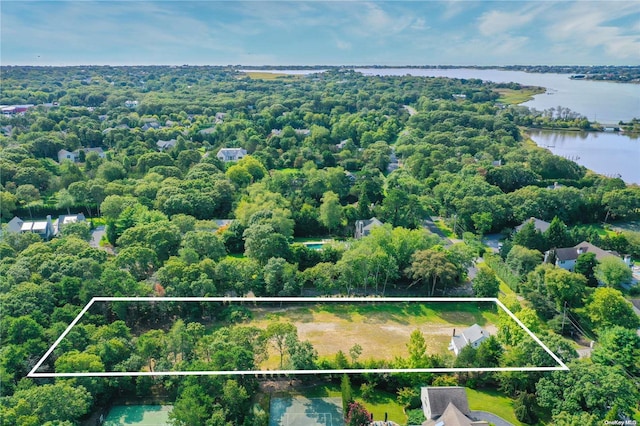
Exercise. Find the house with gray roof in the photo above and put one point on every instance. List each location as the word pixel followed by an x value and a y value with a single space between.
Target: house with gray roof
pixel 446 406
pixel 231 154
pixel 473 336
pixel 165 145
pixel 364 227
pixel 539 225
pixel 44 228
pixel 566 257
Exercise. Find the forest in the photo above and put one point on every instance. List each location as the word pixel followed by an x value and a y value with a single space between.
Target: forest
pixel 137 152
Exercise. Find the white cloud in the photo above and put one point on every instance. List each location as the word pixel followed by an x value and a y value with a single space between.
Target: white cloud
pixel 591 25
pixel 498 21
pixel 343 45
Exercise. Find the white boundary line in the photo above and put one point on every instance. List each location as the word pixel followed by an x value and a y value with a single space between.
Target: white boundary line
pixel 254 300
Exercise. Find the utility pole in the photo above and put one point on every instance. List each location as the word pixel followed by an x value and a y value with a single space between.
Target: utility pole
pixel 564 316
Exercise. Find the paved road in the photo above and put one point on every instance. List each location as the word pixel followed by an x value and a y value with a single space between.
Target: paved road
pixel 430 226
pixel 491 418
pixel 96 236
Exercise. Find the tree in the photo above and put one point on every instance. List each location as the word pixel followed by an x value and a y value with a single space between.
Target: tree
pixel 528 236
pixel 280 278
pixel 417 348
pixel 485 283
pixel 434 266
pixel 612 272
pixel 39 405
pixel 524 408
pixel 608 307
pixel 64 200
pixel 303 356
pixel 585 265
pixel 347 394
pixel 29 196
pixel 81 230
pixel 565 286
pixel 206 244
pixel 522 260
pixel 618 346
pixel 354 352
pixel 262 242
pixel 330 211
pixel 589 388
pixel 557 235
pixel 278 333
pixel 358 415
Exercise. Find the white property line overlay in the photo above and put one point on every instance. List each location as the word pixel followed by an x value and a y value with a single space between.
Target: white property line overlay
pixel 249 300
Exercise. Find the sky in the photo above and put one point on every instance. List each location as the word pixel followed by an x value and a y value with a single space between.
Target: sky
pixel 306 32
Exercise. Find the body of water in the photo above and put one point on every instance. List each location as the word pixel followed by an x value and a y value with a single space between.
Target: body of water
pixel 600 101
pixel 610 154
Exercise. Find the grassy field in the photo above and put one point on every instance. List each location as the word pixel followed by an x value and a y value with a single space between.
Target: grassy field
pixel 382 329
pixel 493 402
pixel 513 97
pixel 257 75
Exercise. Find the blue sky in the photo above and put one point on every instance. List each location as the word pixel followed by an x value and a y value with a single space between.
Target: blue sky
pixel 309 32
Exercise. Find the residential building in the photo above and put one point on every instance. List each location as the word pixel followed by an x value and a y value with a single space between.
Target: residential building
pixel 44 228
pixel 74 156
pixel 231 154
pixel 473 336
pixel 165 145
pixel 446 406
pixel 63 220
pixel 566 257
pixel 364 227
pixel 540 225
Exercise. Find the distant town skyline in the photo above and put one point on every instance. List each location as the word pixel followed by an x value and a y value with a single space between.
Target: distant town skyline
pixel 280 33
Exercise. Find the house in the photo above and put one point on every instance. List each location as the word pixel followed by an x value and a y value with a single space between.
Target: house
pixel 446 406
pixel 540 225
pixel 63 220
pixel 44 228
pixel 165 145
pixel 231 154
pixel 364 227
pixel 131 104
pixel 565 258
pixel 74 156
pixel 473 336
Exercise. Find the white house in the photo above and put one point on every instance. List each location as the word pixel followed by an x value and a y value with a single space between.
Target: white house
pixel 44 228
pixel 473 336
pixel 231 154
pixel 74 156
pixel 364 227
pixel 566 257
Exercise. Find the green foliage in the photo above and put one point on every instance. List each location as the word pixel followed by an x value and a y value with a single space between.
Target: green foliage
pixel 485 283
pixel 607 308
pixel 347 394
pixel 612 272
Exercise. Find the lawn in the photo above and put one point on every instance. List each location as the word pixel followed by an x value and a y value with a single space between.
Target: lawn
pixel 382 329
pixel 258 75
pixel 493 402
pixel 513 97
pixel 381 402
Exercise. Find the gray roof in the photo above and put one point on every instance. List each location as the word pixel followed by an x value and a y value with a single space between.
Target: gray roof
pixel 452 416
pixel 572 253
pixel 469 336
pixel 539 224
pixel 371 223
pixel 439 398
